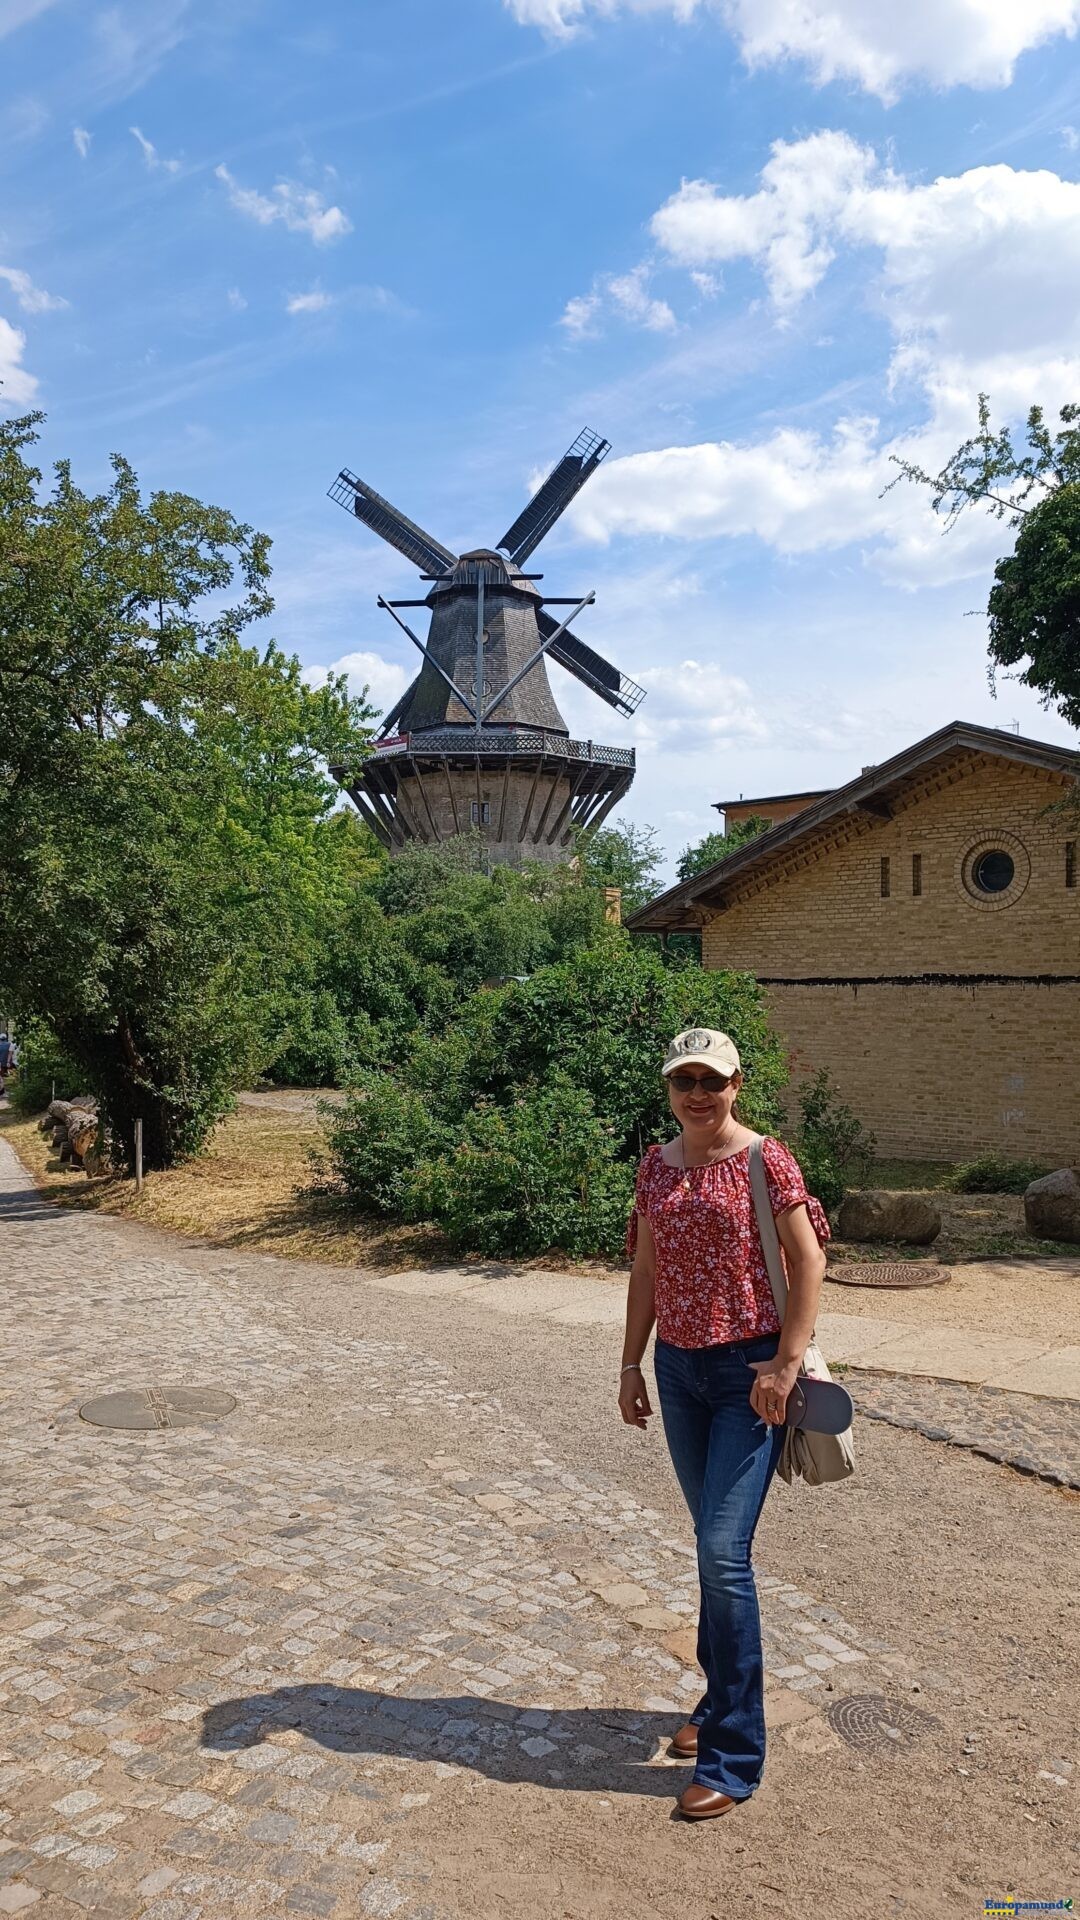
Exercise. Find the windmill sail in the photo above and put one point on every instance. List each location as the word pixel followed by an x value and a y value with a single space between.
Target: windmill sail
pixel 592 669
pixel 554 495
pixel 390 523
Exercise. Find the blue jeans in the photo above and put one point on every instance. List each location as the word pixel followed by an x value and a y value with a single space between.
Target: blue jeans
pixel 725 1456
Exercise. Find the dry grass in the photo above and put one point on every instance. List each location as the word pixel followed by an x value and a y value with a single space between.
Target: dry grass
pixel 246 1190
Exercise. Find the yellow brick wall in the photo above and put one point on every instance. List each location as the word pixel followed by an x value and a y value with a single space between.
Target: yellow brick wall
pixel 936 1070
pixel 944 1073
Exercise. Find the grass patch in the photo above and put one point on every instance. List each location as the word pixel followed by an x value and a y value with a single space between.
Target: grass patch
pixel 245 1191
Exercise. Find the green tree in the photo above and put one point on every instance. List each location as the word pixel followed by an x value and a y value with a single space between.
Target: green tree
pixel 1034 604
pixel 717 846
pixel 166 847
pixel 623 856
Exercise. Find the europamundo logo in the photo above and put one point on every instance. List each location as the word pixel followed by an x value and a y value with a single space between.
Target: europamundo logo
pixel 1009 1906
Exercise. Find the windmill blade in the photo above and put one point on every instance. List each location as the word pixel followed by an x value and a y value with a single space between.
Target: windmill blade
pixel 390 720
pixel 393 526
pixel 592 669
pixel 553 495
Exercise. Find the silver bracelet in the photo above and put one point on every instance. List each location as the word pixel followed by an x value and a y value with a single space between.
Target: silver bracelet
pixel 634 1367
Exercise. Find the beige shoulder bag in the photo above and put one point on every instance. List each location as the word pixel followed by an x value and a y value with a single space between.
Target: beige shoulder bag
pixel 818 1457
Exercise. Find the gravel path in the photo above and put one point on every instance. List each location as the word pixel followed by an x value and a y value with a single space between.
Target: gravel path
pixel 404 1633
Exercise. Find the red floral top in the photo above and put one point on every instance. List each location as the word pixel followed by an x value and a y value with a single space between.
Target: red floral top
pixel 712 1283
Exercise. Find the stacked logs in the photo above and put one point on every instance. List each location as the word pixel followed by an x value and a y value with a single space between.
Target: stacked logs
pixel 75 1128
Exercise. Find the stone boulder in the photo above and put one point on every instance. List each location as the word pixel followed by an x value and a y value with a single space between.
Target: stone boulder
pixel 1052 1206
pixel 874 1214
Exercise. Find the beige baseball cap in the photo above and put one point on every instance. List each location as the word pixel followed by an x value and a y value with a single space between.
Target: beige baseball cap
pixel 702 1047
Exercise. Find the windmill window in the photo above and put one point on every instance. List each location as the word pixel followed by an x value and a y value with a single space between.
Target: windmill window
pixel 884 876
pixel 1070 863
pixel 916 874
pixel 480 813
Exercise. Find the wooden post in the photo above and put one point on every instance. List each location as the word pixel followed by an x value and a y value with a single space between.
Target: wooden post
pixel 138 1156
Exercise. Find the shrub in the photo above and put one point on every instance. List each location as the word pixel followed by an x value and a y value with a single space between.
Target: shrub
pixel 834 1149
pixel 375 1139
pixel 43 1066
pixel 536 1174
pixel 604 1018
pixel 991 1173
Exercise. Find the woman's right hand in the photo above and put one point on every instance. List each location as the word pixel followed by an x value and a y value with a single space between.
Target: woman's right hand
pixel 634 1399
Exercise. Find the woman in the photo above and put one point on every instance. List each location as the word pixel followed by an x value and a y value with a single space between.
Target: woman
pixel 724 1367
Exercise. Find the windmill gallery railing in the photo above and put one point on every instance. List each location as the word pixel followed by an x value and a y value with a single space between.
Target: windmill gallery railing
pixel 446 742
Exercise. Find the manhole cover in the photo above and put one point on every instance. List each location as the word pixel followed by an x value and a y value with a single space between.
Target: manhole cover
pixel 870 1720
pixel 144 1409
pixel 889 1273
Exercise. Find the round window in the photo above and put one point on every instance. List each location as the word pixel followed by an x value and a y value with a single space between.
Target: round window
pixel 993 871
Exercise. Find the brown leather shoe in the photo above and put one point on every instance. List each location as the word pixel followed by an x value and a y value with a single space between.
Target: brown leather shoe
pixel 684 1743
pixel 703 1803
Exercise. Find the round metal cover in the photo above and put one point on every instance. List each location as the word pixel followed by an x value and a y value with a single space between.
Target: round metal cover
pixel 888 1273
pixel 871 1720
pixel 150 1409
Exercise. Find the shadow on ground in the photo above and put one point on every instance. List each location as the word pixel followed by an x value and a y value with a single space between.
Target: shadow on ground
pixel 577 1749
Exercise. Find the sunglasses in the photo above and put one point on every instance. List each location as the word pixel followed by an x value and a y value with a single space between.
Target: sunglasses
pixel 708 1082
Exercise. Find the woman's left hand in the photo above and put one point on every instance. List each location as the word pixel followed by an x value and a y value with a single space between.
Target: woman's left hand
pixel 769 1393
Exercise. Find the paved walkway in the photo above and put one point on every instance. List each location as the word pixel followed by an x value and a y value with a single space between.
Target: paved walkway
pixel 235 1679
pixel 1048 1366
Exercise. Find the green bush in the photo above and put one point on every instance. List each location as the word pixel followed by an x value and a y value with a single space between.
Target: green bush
pixel 537 1174
pixel 518 1126
pixel 991 1173
pixel 43 1066
pixel 833 1147
pixel 374 1141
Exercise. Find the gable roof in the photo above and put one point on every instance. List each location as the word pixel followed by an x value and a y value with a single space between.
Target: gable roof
pixel 680 907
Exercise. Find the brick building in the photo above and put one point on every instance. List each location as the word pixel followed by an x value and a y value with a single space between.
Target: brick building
pixel 918 933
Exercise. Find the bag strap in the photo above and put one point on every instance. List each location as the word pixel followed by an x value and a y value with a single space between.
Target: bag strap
pixel 766 1225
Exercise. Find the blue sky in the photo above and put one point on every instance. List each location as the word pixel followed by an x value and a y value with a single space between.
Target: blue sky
pixel 759 245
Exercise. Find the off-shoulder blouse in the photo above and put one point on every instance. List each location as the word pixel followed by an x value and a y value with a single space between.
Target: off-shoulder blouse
pixel 712 1283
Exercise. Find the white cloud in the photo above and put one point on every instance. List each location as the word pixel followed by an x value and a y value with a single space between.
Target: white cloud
pixel 30 298
pixel 626 295
pixel 300 209
pixel 793 490
pixel 236 300
pixel 1070 139
pixel 581 315
pixel 787 227
pixel 628 291
pixel 959 259
pixel 694 702
pixel 960 256
pixel 707 284
pixel 150 154
pixel 874 43
pixel 384 679
pixel 82 141
pixel 314 302
pixel 17 387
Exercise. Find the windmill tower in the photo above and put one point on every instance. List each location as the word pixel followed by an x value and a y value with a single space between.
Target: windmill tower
pixel 477 740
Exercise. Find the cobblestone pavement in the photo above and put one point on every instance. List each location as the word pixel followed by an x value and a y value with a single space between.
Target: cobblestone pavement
pixel 1022 1430
pixel 240 1679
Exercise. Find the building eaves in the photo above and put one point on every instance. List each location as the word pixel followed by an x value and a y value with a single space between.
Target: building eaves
pixel 681 907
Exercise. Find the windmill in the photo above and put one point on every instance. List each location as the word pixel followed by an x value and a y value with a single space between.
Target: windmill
pixel 477 740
